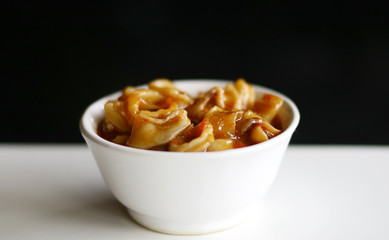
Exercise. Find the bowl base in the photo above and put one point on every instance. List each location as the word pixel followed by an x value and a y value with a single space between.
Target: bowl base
pixel 176 227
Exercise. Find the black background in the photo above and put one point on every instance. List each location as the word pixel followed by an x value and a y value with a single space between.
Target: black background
pixel 331 59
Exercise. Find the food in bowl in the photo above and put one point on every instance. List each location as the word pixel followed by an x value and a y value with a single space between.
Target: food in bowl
pixel 163 117
pixel 190 192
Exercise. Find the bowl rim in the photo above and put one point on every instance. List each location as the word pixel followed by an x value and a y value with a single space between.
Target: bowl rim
pixel 89 132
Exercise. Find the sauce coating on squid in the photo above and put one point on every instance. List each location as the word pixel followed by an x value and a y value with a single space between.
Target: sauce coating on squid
pixel 163 117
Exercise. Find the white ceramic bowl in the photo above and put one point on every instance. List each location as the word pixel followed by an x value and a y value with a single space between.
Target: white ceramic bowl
pixel 189 193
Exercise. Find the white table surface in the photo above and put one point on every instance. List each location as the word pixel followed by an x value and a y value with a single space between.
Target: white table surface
pixel 321 192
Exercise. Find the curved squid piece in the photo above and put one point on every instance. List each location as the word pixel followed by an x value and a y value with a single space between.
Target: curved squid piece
pixel 268 106
pixel 193 139
pixel 221 144
pixel 239 96
pixel 256 128
pixel 168 89
pixel 203 103
pixel 152 130
pixel 223 122
pixel 147 100
pixel 127 92
pixel 115 117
